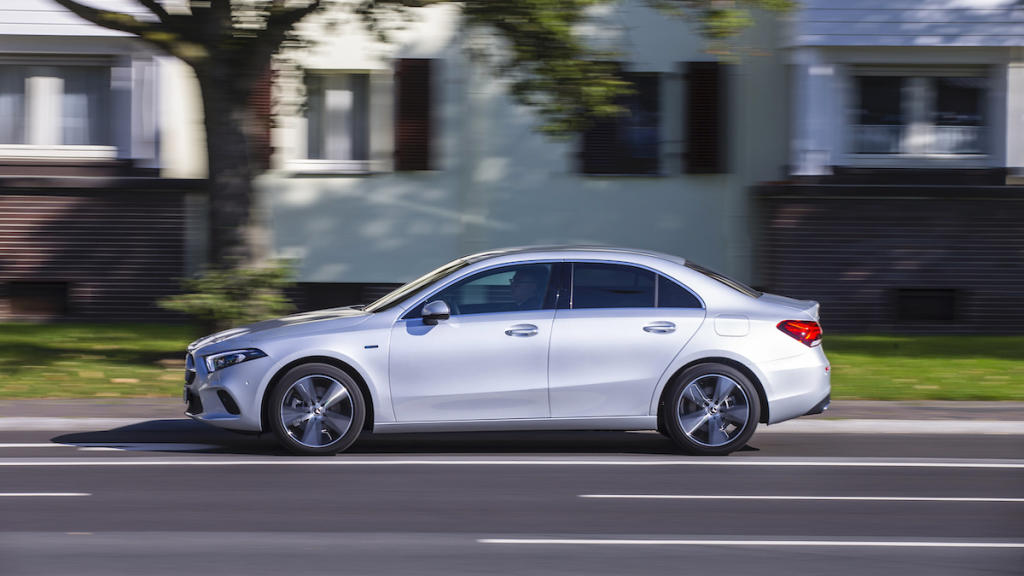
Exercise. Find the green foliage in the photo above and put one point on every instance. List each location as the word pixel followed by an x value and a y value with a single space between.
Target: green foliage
pixel 93 360
pixel 886 367
pixel 224 298
pixel 554 70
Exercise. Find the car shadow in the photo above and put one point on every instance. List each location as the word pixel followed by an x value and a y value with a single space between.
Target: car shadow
pixel 189 436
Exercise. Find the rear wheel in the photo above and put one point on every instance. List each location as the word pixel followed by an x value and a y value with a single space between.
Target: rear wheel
pixel 711 410
pixel 316 409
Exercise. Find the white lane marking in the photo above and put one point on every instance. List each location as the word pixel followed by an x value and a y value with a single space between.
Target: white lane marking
pixel 142 446
pixel 877 426
pixel 42 494
pixel 50 424
pixel 754 497
pixel 112 446
pixel 344 461
pixel 819 543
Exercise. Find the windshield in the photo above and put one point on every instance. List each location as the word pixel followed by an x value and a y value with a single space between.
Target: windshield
pixel 734 284
pixel 403 292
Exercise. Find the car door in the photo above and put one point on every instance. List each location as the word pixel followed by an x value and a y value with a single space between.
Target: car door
pixel 489 360
pixel 611 344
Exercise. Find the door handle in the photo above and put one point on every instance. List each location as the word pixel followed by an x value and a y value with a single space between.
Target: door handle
pixel 522 330
pixel 660 328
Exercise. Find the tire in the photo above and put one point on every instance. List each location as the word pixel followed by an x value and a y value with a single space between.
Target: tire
pixel 711 410
pixel 316 410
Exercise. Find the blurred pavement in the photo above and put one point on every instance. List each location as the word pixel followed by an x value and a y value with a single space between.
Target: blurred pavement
pixel 151 408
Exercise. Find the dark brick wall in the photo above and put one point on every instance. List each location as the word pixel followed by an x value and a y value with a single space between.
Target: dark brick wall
pixel 941 259
pixel 110 253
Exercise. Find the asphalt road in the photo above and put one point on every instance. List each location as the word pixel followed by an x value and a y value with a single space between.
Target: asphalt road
pixel 171 496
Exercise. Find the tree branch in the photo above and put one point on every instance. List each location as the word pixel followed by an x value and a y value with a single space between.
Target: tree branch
pixel 280 21
pixel 284 18
pixel 170 37
pixel 108 18
pixel 157 9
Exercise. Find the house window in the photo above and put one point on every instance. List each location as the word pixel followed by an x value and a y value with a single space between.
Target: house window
pixel 55 105
pixel 957 115
pixel 338 119
pixel 919 115
pixel 627 143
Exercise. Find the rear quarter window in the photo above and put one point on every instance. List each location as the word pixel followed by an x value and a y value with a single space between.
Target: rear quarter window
pixel 672 295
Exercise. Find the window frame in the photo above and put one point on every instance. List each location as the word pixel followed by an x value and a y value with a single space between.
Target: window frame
pixel 918 106
pixel 302 163
pixel 585 167
pixel 658 274
pixel 555 284
pixel 35 150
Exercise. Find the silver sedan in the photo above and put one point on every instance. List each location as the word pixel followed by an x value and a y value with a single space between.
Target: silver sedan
pixel 524 339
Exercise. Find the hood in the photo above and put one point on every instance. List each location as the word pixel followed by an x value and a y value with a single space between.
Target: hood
pixel 284 322
pixel 808 306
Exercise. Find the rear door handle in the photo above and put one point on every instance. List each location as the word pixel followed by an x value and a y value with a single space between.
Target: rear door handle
pixel 522 330
pixel 660 328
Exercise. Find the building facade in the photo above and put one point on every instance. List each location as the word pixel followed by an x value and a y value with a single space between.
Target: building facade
pixel 865 153
pixel 411 154
pixel 904 207
pixel 97 170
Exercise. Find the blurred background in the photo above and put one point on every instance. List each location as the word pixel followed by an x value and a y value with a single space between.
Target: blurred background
pixel 867 154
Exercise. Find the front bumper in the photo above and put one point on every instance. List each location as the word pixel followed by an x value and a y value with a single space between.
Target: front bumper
pixel 229 398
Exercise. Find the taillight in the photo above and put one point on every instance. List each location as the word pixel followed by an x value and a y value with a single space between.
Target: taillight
pixel 808 333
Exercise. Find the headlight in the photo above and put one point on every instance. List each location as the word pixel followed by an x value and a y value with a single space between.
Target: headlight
pixel 216 362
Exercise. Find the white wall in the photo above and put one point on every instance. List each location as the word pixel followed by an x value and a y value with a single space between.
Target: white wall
pixel 500 182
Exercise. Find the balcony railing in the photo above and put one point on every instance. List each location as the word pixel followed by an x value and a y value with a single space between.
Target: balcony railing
pixel 957 140
pixel 892 139
pixel 877 138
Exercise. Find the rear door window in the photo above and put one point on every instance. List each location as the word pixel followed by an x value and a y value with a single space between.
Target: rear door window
pixel 599 285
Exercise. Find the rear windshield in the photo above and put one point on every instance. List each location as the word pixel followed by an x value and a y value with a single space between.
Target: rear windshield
pixel 734 284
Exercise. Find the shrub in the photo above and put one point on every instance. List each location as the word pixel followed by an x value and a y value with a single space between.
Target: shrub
pixel 225 298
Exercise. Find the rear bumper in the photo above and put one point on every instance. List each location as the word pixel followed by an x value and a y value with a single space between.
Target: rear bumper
pixel 820 407
pixel 798 386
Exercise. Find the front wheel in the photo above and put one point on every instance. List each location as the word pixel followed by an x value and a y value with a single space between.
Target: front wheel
pixel 316 409
pixel 711 410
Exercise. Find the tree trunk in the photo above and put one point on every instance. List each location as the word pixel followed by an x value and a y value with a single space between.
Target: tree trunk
pixel 232 219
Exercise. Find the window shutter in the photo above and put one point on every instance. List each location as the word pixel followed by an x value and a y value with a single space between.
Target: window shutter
pixel 413 99
pixel 706 113
pixel 260 109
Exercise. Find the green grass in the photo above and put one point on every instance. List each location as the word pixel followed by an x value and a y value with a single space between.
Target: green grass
pixel 139 360
pixel 92 360
pixel 926 367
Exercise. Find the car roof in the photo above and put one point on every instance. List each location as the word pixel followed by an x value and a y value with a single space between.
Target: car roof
pixel 596 250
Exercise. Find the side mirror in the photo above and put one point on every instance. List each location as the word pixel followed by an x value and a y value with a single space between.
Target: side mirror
pixel 434 311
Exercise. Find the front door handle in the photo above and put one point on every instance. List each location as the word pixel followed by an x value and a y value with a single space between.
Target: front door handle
pixel 660 328
pixel 522 330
